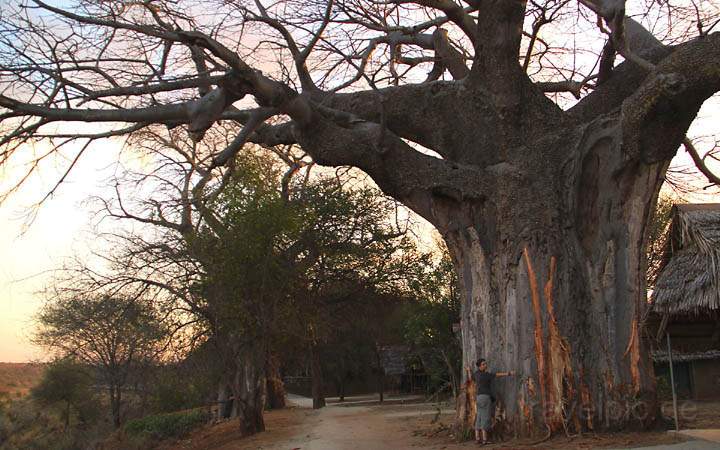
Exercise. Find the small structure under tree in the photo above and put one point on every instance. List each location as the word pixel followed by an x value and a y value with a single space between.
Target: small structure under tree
pixel 686 302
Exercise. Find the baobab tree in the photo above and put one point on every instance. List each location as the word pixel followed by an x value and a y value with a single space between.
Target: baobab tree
pixel 454 109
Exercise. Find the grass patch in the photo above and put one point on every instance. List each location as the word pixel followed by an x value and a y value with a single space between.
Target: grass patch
pixel 163 426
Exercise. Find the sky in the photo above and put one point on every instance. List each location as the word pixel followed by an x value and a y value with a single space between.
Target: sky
pixel 30 251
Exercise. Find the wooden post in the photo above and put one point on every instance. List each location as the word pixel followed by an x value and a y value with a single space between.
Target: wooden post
pixel 672 382
pixel 381 373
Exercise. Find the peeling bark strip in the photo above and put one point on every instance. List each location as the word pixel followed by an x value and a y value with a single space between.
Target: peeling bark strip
pixel 527 399
pixel 560 373
pixel 633 349
pixel 466 409
pixel 539 345
pixel 554 366
pixel 586 403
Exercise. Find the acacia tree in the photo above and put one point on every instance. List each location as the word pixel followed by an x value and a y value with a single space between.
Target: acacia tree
pixel 112 334
pixel 544 209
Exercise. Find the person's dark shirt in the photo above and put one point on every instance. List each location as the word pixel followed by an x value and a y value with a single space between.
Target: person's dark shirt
pixel 483 382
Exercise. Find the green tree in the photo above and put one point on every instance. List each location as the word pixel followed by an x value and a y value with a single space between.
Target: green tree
pixel 113 335
pixel 360 260
pixel 430 321
pixel 253 261
pixel 70 384
pixel 657 236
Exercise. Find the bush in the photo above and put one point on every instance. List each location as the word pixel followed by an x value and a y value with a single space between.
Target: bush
pixel 68 387
pixel 25 426
pixel 176 389
pixel 164 426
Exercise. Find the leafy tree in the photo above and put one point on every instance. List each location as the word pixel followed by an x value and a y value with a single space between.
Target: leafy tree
pixel 256 264
pixel 429 324
pixel 552 146
pixel 360 258
pixel 111 334
pixel 71 384
pixel 657 236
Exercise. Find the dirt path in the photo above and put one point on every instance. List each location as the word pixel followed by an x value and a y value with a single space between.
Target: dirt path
pixel 362 424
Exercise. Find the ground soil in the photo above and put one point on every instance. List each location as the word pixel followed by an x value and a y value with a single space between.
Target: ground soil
pixel 695 414
pixel 369 426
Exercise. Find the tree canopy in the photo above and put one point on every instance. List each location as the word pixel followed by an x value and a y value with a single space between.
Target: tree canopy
pixel 353 82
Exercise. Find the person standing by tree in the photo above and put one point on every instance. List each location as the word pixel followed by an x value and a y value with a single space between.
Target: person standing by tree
pixel 483 384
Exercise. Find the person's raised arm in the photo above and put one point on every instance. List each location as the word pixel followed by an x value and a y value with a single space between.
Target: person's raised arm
pixel 505 374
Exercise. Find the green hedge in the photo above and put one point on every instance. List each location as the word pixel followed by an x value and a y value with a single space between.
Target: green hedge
pixel 163 426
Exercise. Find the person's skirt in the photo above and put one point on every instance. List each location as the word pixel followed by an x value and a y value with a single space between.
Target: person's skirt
pixel 484 406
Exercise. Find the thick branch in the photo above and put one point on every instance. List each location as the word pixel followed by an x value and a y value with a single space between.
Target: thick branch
pixel 457 14
pixel 497 46
pixel 339 139
pixel 415 112
pixel 656 117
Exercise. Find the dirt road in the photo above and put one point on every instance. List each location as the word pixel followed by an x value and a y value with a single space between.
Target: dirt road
pixel 399 423
pixel 359 424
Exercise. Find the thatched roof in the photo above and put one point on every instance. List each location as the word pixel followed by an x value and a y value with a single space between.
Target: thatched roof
pixel 662 356
pixel 689 282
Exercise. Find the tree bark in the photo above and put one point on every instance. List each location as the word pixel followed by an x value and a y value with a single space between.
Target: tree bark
pixel 553 279
pixel 249 389
pixel 318 388
pixel 275 386
pixel 115 403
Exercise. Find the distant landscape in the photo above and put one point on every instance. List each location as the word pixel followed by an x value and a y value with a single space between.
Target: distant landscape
pixel 16 379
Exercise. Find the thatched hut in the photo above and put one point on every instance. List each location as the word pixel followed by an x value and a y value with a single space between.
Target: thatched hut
pixel 686 301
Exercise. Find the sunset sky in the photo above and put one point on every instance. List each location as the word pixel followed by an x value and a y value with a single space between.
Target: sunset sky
pixel 61 229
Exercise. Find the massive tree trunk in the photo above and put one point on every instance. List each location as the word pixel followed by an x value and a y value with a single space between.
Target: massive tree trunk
pixel 248 387
pixel 544 212
pixel 553 279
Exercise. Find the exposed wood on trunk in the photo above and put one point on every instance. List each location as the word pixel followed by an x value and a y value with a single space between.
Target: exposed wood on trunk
pixel 466 407
pixel 539 344
pixel 560 373
pixel 633 350
pixel 275 386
